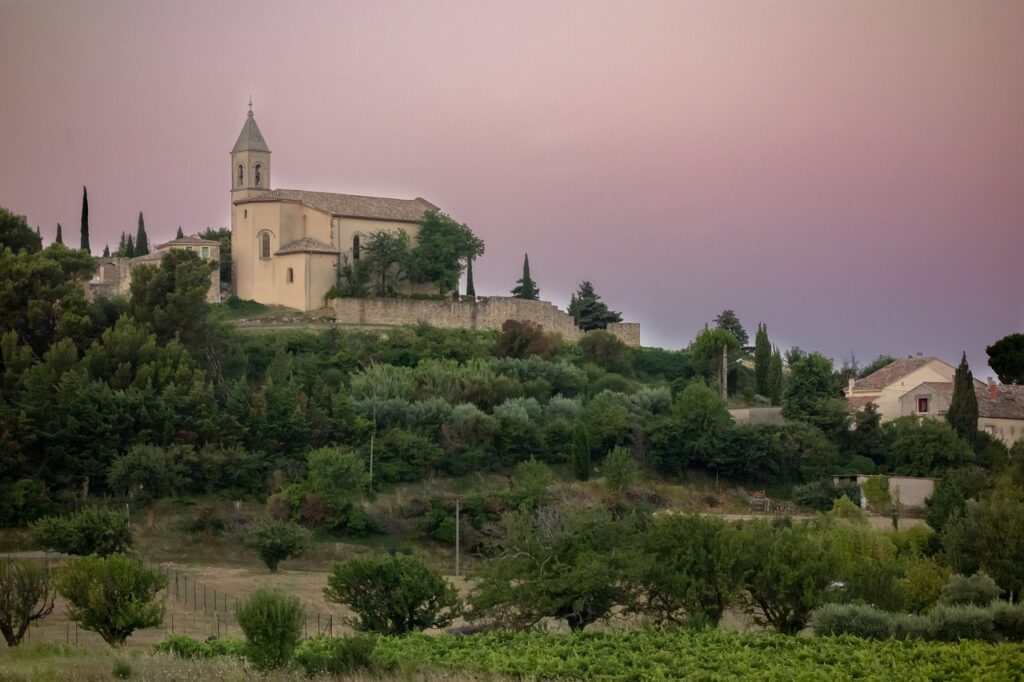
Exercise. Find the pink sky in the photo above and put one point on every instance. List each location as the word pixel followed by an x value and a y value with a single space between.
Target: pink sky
pixel 852 172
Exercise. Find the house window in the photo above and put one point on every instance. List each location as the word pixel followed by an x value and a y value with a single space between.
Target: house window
pixel 922 405
pixel 245 213
pixel 256 176
pixel 265 246
pixel 291 275
pixel 205 251
pixel 355 247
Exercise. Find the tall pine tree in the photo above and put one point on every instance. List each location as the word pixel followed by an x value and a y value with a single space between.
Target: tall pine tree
pixel 106 251
pixel 762 358
pixel 141 240
pixel 525 286
pixel 963 406
pixel 180 234
pixel 85 220
pixel 589 311
pixel 60 236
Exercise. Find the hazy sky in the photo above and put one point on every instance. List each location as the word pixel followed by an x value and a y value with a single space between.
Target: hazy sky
pixel 850 172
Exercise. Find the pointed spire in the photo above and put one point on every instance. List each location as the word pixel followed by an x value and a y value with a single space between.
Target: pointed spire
pixel 250 139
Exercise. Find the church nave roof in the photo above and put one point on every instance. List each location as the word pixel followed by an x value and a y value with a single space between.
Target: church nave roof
pixel 351 205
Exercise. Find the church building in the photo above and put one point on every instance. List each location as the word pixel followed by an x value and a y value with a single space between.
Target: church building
pixel 286 244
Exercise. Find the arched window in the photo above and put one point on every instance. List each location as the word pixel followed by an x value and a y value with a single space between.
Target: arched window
pixel 355 247
pixel 265 246
pixel 291 275
pixel 256 176
pixel 241 175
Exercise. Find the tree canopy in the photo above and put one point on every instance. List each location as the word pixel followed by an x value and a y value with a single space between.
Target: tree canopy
pixel 1006 357
pixel 443 247
pixel 728 321
pixel 589 311
pixel 16 235
pixel 525 286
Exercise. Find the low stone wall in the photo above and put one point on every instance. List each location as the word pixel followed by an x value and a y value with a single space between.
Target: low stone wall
pixel 484 313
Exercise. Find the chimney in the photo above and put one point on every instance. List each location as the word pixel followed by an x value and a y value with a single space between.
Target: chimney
pixel 849 387
pixel 992 389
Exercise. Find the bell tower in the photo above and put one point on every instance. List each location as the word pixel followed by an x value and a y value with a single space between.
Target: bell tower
pixel 250 161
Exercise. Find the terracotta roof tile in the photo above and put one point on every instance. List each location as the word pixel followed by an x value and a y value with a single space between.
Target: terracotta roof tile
pixel 306 245
pixel 189 240
pixel 351 205
pixel 891 373
pixel 858 402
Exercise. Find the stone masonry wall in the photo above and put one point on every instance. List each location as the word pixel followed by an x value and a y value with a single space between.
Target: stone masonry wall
pixel 485 313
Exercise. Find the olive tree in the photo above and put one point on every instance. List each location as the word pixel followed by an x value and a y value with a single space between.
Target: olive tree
pixel 26 595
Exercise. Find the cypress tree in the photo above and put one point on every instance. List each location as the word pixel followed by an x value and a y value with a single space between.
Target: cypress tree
pixel 85 220
pixel 762 358
pixel 581 452
pixel 129 248
pixel 121 246
pixel 525 286
pixel 39 234
pixel 470 288
pixel 963 406
pixel 106 251
pixel 141 240
pixel 180 234
pixel 773 383
pixel 60 236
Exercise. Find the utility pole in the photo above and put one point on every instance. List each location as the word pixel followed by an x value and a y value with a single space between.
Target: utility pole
pixel 458 548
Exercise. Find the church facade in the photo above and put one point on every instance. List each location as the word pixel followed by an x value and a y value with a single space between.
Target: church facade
pixel 286 244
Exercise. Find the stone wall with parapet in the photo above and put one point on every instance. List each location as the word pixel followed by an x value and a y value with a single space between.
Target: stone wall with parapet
pixel 484 313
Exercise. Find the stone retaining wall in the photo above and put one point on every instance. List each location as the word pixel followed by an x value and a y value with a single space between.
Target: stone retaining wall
pixel 485 313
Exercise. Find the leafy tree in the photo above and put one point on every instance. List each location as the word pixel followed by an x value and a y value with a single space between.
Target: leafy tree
pixel 975 590
pixel 762 359
pixel 112 596
pixel 688 570
pixel 554 563
pixel 925 447
pixel 85 220
pixel 141 238
pixel 522 339
pixel 59 239
pixel 149 472
pixel 90 531
pixel 606 351
pixel 171 299
pixel 223 236
pixel 581 463
pixel 810 383
pixel 531 484
pixel 276 541
pixel 695 432
pixel 775 385
pixel 963 406
pixel 994 535
pixel 15 234
pixel 442 246
pixel 393 595
pixel 875 365
pixel 386 259
pixel 27 594
pixel 706 353
pixel 728 321
pixel 1006 357
pixel 272 624
pixel 589 311
pixel 525 286
pixel 620 469
pixel 787 569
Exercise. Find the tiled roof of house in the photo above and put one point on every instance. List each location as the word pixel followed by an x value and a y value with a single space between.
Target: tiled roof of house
pixel 189 240
pixel 306 245
pixel 1008 402
pixel 891 373
pixel 351 205
pixel 859 402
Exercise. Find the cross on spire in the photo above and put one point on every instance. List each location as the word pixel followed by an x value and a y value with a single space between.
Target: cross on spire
pixel 250 104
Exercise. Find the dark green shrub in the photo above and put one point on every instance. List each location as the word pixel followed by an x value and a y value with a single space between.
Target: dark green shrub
pixel 953 623
pixel 976 590
pixel 910 626
pixel 821 495
pixel 90 531
pixel 23 501
pixel 272 623
pixel 852 619
pixel 276 540
pixel 1009 621
pixel 122 669
pixel 112 596
pixel 393 595
pixel 336 656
